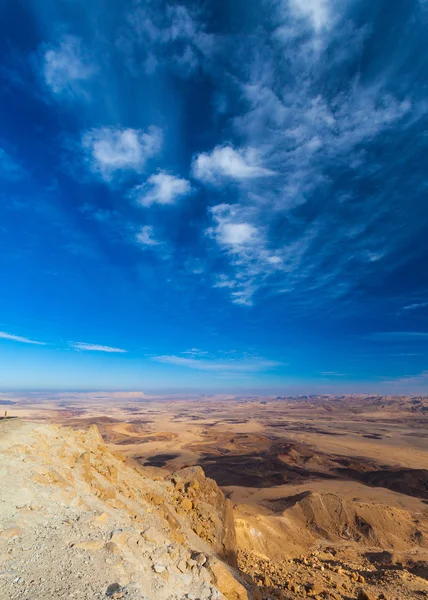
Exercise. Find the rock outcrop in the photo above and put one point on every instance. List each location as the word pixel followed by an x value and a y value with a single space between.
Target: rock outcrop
pixel 210 513
pixel 77 522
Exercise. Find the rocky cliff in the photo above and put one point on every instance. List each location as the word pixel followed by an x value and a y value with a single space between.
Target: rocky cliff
pixel 76 522
pixel 79 522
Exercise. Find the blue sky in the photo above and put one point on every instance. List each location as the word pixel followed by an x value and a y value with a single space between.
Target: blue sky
pixel 214 196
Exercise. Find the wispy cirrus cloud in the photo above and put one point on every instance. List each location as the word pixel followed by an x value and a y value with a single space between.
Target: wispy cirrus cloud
pixel 410 380
pixel 109 151
pixel 172 39
pixel 332 374
pixel 160 188
pixel 17 338
pixel 248 248
pixel 202 364
pixel 96 348
pixel 415 306
pixel 195 352
pixel 319 141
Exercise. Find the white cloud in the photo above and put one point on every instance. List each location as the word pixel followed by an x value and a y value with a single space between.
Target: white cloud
pixel 231 229
pixel 247 246
pixel 416 306
pixel 332 374
pixel 223 281
pixel 318 12
pixel 96 348
pixel 145 236
pixel 317 140
pixel 236 234
pixel 161 188
pixel 66 66
pixel 256 364
pixel 18 338
pixel 195 352
pixel 224 162
pixel 109 150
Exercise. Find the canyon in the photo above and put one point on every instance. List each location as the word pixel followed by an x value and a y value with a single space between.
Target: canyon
pixel 213 496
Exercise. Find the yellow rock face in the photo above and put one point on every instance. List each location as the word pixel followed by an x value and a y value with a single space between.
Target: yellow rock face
pixel 226 582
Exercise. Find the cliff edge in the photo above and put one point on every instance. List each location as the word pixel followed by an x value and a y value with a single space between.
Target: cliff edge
pixel 76 522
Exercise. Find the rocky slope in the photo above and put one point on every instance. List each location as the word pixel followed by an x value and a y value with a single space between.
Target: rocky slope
pixel 76 522
pixel 323 546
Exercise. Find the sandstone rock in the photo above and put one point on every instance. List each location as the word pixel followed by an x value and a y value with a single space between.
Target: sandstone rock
pixel 154 536
pixel 158 568
pixel 120 539
pixel 365 595
pixel 154 498
pixel 182 566
pixel 228 585
pixel 93 437
pixel 314 588
pixel 101 520
pixel 214 521
pixel 186 504
pixel 51 477
pixel 199 530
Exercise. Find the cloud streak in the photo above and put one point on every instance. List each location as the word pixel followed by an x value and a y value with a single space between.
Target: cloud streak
pixel 96 348
pixel 416 306
pixel 18 338
pixel 218 365
pixel 410 380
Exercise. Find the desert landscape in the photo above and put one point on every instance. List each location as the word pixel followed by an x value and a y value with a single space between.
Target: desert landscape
pixel 329 492
pixel 214 314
